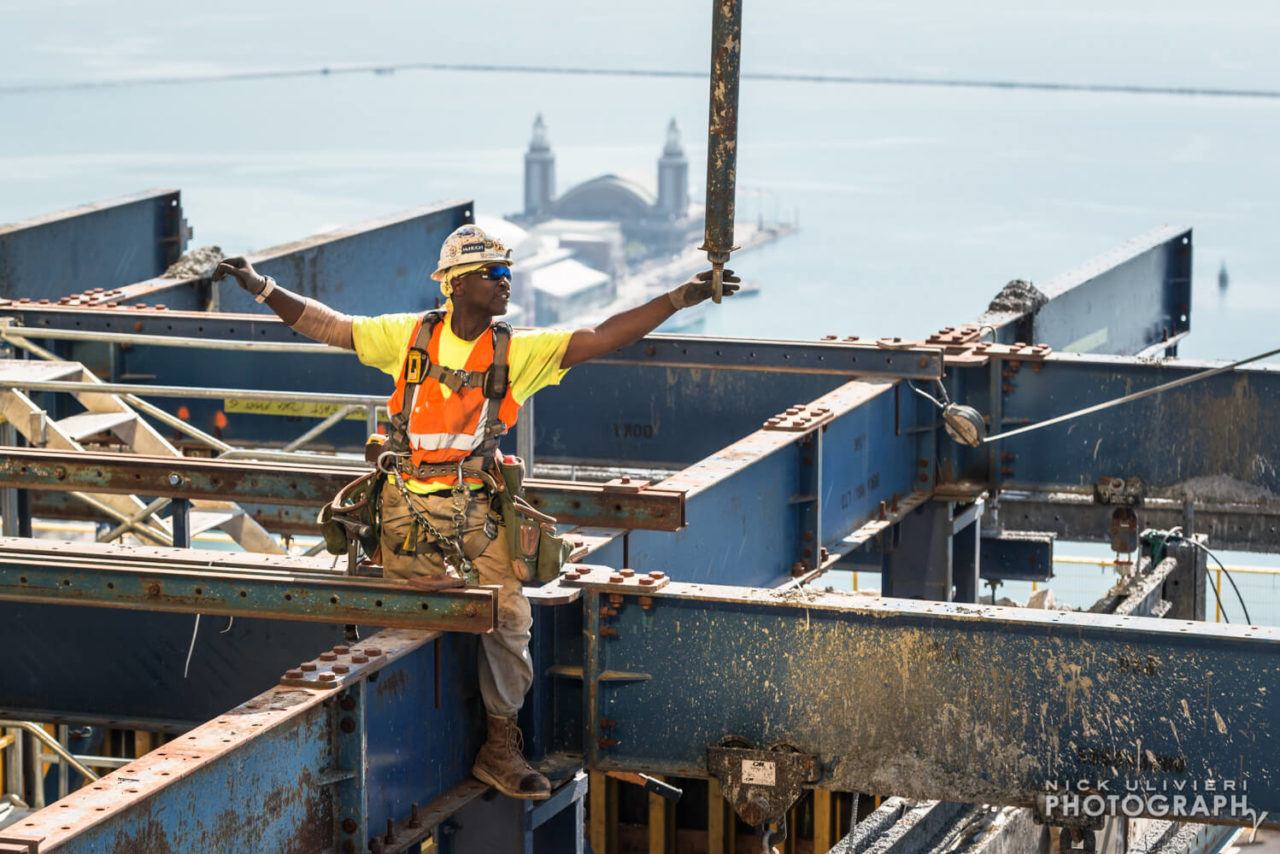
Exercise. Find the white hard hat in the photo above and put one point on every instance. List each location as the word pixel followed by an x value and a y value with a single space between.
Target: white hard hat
pixel 470 244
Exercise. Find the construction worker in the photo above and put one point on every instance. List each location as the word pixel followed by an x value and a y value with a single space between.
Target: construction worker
pixel 436 516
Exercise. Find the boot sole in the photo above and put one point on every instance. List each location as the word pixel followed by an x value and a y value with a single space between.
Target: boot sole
pixel 485 777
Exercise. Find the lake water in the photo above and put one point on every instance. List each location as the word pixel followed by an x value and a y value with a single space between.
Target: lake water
pixel 915 204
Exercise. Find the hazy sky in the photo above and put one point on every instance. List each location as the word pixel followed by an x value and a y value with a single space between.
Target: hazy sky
pixel 1140 41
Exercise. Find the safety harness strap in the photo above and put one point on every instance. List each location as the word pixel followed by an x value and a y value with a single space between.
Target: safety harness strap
pixel 495 382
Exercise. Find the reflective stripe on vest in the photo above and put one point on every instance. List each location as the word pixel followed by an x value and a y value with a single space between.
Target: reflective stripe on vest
pixel 446 429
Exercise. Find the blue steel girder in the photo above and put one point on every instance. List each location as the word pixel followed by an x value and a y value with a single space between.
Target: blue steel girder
pixel 772 503
pixel 931 700
pixel 1218 429
pixel 280 772
pixel 1133 298
pixel 372 267
pixel 654 399
pixel 102 245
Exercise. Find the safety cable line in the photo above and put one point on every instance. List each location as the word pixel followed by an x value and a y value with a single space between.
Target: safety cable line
pixel 1129 398
pixel 587 71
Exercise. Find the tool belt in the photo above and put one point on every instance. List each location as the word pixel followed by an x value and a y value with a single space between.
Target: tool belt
pixel 351 517
pixel 538 553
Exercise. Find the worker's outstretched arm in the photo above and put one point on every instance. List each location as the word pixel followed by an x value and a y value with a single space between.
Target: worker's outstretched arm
pixel 630 326
pixel 306 316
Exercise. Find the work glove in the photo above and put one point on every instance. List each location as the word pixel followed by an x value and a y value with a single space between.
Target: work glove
pixel 699 288
pixel 250 279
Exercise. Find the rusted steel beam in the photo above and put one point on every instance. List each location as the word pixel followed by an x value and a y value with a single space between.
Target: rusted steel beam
pixel 293 484
pixel 722 134
pixel 931 700
pixel 232 584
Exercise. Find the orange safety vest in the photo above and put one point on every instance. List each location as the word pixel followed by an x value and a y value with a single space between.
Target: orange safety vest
pixel 437 430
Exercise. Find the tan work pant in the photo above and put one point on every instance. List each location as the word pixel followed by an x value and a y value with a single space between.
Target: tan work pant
pixel 506 671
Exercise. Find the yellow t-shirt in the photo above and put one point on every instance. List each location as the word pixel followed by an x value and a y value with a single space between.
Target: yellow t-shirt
pixel 534 358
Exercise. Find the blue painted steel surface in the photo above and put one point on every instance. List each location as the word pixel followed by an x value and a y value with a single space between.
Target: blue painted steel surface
pixel 100 665
pixel 1121 303
pixel 307 769
pixel 747 505
pixel 371 268
pixel 1215 428
pixel 425 725
pixel 934 700
pixel 101 245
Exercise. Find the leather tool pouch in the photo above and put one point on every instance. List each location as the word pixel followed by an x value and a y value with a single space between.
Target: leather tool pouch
pixel 537 552
pixel 351 515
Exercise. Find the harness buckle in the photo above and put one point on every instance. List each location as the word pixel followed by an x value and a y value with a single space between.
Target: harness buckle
pixel 454 380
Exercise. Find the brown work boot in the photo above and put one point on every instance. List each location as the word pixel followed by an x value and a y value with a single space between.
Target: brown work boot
pixel 501 764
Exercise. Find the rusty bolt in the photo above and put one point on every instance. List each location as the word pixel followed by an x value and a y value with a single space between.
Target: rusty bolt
pixel 606 611
pixel 797 568
pixel 571 575
pixel 625 479
pixel 1006 471
pixel 823 553
pixel 657 574
pixel 308 666
pixel 293 674
pixel 359 659
pixel 606 743
pixel 893 504
pixel 807 551
pixel 608 632
pixel 341 668
pixel 328 656
pixel 342 650
pixel 626 573
pixel 414 819
pixel 347 725
pixel 851 338
pixel 349 825
pixel 391 832
pixel 153 590
pixel 646 582
pixel 922 462
pixel 372 651
pixel 884 511
pixel 830 337
pixel 808 536
pixel 923 361
pixel 924 477
pixel 615 578
pixel 471 610
pixel 646 602
pixel 60 473
pixel 328 677
pixel 347 703
pixel 615 599
pixel 608 723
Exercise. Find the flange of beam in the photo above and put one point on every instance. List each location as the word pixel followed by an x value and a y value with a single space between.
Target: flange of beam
pixel 572 503
pixel 932 700
pixel 201 582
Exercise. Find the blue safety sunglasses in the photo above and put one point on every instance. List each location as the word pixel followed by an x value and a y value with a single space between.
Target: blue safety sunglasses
pixel 495 273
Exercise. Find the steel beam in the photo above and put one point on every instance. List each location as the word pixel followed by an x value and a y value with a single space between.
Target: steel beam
pixel 98 246
pixel 291 484
pixel 1209 438
pixel 1252 527
pixel 1045 696
pixel 864 449
pixel 1124 302
pixel 191 581
pixel 277 772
